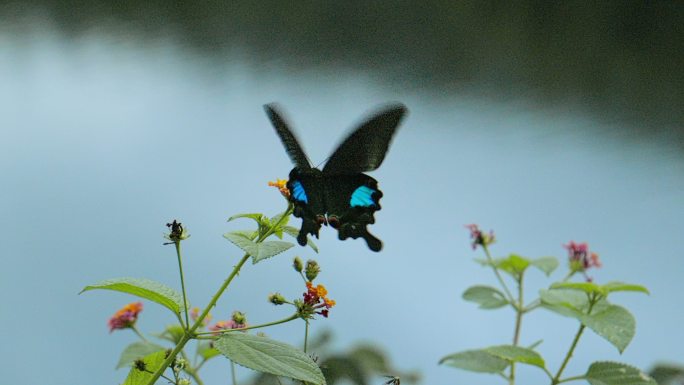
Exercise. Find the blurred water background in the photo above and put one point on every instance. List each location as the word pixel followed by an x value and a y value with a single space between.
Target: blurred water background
pixel 545 121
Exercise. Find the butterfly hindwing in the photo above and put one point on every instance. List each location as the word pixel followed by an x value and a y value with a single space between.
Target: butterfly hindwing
pixel 351 202
pixel 307 193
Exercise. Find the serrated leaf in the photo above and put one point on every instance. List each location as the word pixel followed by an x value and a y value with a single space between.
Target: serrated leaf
pixel 143 288
pixel 269 249
pixel 249 234
pixel 258 251
pixel 294 232
pixel 615 323
pixel 486 296
pixel 152 362
pixel 137 350
pixel 587 287
pixel 545 264
pixel 517 354
pixel 478 360
pixel 257 217
pixel 568 303
pixel 621 286
pixel 615 373
pixel 269 356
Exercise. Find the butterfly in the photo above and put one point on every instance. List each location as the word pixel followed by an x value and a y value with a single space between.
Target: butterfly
pixel 340 195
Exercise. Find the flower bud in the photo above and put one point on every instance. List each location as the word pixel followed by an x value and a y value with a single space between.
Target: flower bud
pixel 239 318
pixel 297 264
pixel 312 270
pixel 276 299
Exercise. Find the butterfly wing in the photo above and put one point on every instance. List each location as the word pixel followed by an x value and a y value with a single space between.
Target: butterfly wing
pixel 365 148
pixel 292 146
pixel 305 183
pixel 351 201
pixel 307 194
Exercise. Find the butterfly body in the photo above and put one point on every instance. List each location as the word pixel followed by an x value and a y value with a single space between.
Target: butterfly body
pixel 340 195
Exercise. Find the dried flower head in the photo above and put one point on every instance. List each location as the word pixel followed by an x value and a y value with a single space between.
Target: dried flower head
pixel 478 238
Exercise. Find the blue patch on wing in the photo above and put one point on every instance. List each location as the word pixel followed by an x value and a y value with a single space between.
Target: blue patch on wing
pixel 362 196
pixel 298 192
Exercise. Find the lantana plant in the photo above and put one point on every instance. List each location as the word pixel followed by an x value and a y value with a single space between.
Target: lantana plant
pixel 168 357
pixel 586 301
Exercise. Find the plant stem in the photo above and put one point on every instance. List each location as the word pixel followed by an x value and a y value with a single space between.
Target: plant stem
pixel 190 332
pixel 498 276
pixel 306 334
pixel 136 331
pixel 232 372
pixel 288 319
pixel 182 279
pixel 190 370
pixel 556 380
pixel 519 311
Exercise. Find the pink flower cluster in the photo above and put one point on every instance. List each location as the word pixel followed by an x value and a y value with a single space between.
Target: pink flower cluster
pixel 125 317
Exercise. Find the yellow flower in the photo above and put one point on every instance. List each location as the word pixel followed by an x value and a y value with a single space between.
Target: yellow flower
pixel 281 185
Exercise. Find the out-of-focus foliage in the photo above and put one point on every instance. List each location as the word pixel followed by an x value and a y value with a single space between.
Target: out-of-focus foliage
pixel 363 364
pixel 668 374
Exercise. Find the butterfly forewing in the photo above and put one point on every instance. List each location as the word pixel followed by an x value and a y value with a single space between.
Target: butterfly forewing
pixel 292 146
pixel 365 148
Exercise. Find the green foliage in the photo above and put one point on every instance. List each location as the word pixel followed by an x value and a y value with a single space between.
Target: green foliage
pixel 294 232
pixel 668 374
pixel 615 324
pixel 258 251
pixel 586 302
pixel 615 373
pixel 486 296
pixel 136 351
pixel 546 264
pixel 517 354
pixel 479 360
pixel 269 356
pixel 143 288
pixel 149 364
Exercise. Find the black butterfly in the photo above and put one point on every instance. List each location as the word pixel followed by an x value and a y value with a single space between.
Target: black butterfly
pixel 340 195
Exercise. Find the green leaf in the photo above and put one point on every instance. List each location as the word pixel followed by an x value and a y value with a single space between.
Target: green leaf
pixel 568 303
pixel 172 333
pixel 258 251
pixel 475 361
pixel 205 350
pixel 615 323
pixel 615 373
pixel 545 264
pixel 136 351
pixel 486 296
pixel 151 362
pixel 269 356
pixel 278 230
pixel 517 354
pixel 257 217
pixel 621 286
pixel 587 287
pixel 144 288
pixel 249 234
pixel 514 264
pixel 294 232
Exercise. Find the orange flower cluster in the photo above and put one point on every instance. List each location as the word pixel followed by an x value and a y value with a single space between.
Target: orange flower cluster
pixel 317 298
pixel 281 185
pixel 125 317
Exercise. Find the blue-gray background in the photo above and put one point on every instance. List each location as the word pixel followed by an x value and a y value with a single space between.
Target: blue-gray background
pixel 545 122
